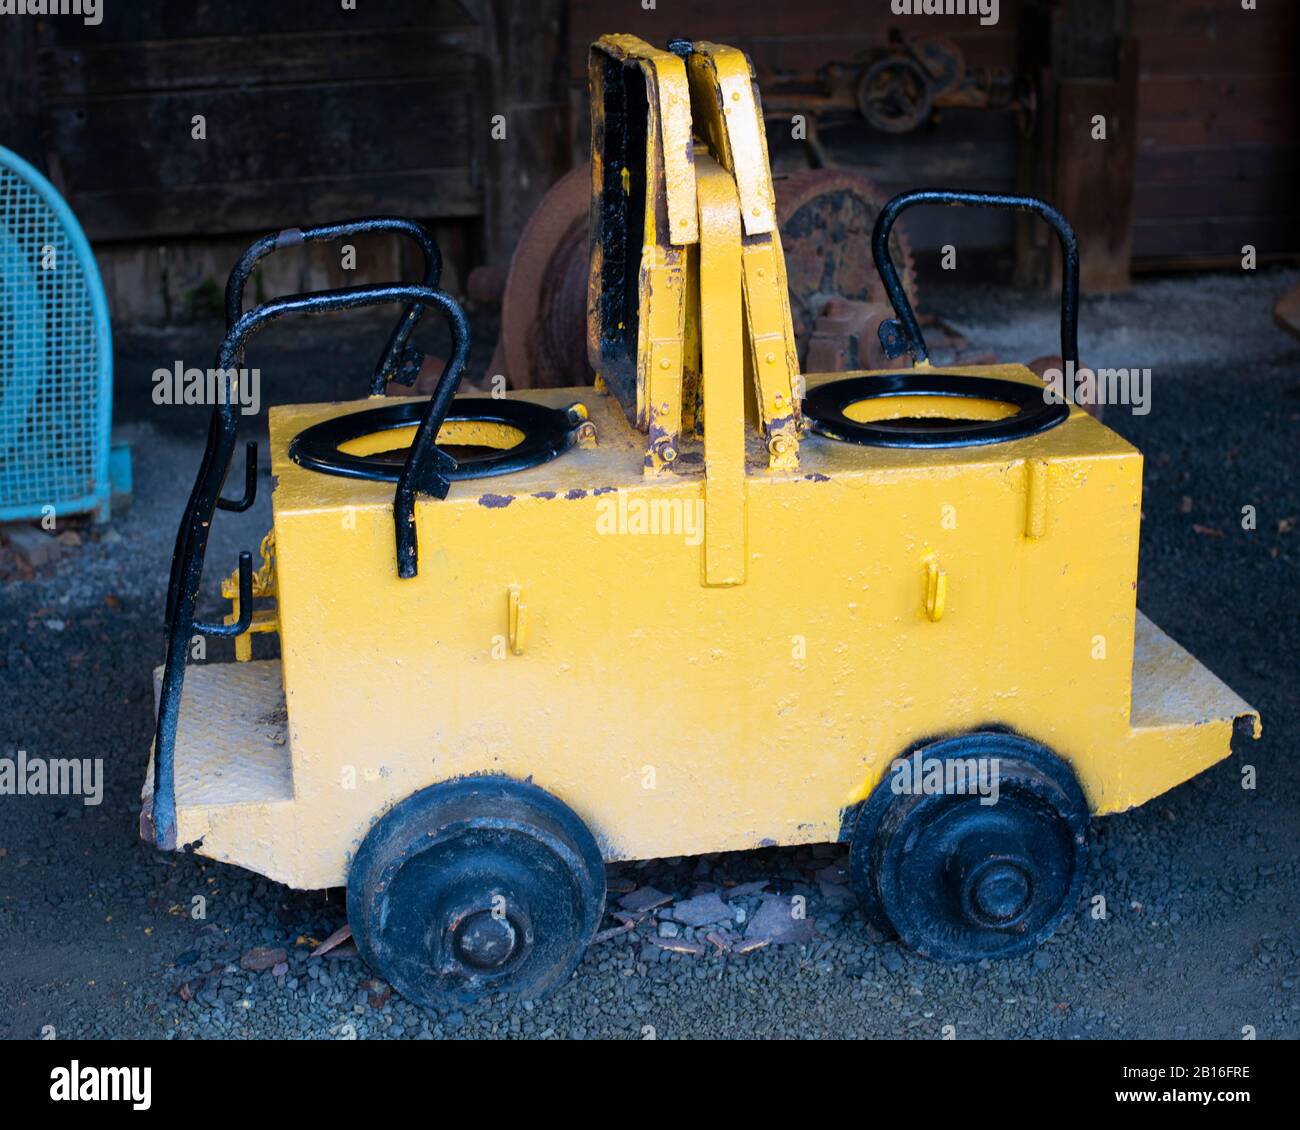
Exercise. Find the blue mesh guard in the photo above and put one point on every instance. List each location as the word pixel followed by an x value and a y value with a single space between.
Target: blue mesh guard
pixel 56 365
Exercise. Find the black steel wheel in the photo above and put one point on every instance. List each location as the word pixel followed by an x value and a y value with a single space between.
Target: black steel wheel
pixel 960 880
pixel 474 887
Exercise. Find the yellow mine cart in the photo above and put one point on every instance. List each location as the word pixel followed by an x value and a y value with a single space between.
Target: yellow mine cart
pixel 710 604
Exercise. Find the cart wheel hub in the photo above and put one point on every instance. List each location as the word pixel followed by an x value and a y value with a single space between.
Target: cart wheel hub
pixel 997 893
pixel 485 941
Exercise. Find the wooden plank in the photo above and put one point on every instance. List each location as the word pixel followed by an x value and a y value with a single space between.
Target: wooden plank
pixel 1214 236
pixel 144 141
pixel 1225 197
pixel 1215 36
pixel 173 282
pixel 1094 184
pixel 135 21
pixel 778 19
pixel 1218 126
pixel 779 35
pixel 107 68
pixel 991 47
pixel 1167 168
pixel 1259 48
pixel 1255 109
pixel 255 205
pixel 19 109
pixel 524 83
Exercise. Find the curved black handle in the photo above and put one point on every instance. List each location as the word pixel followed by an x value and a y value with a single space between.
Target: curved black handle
pixel 424 472
pixel 425 463
pixel 391 361
pixel 390 365
pixel 246 500
pixel 897 337
pixel 245 620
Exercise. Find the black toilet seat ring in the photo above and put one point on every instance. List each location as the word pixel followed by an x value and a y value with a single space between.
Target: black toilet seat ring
pixel 547 432
pixel 1036 410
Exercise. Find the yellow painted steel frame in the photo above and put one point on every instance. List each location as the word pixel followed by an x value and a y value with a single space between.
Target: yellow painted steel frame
pixel 677 710
pixel 726 111
pixel 264 619
pixel 727 657
pixel 725 491
pixel 670 196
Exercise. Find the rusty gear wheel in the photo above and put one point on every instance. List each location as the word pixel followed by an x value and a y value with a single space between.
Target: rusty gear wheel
pixel 943 60
pixel 825 217
pixel 894 94
pixel 544 308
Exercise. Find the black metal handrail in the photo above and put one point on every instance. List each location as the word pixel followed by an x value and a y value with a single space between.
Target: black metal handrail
pixel 399 361
pixel 425 472
pixel 904 334
pixel 390 366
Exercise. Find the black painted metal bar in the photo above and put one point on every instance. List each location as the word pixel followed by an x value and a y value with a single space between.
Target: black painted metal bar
pixel 422 473
pixel 245 621
pixel 904 334
pixel 390 359
pixel 245 501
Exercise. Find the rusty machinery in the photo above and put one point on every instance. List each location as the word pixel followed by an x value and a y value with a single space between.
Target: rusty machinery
pixel 897 89
pixel 825 217
pixel 713 603
pixel 825 214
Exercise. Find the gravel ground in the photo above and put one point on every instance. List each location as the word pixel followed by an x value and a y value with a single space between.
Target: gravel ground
pixel 1202 884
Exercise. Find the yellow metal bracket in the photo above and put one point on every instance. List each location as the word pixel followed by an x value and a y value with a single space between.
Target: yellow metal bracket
pixel 666 282
pixel 517 619
pixel 264 619
pixel 670 110
pixel 1035 498
pixel 725 486
pixel 936 590
pixel 661 283
pixel 728 115
pixel 725 103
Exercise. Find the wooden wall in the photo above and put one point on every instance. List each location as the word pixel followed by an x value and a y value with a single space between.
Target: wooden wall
pixel 966 148
pixel 1219 128
pixel 313 113
pixel 1218 106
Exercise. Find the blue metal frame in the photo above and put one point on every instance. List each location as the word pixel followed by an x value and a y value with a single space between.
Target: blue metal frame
pixel 99 500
